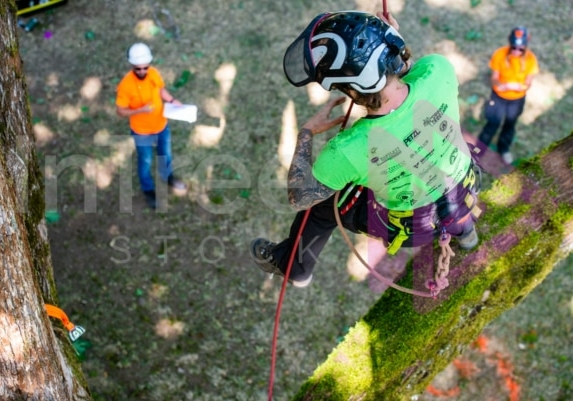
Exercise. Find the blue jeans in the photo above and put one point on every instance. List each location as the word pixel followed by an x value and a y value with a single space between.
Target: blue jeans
pixel 498 111
pixel 144 145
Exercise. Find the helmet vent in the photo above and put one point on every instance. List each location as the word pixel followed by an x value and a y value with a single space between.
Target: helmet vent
pixel 361 43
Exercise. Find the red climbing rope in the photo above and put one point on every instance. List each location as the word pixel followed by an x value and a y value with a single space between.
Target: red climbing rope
pixel 385 10
pixel 280 302
pixel 285 281
pixel 351 245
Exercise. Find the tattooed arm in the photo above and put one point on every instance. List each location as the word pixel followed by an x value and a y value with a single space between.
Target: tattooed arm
pixel 304 191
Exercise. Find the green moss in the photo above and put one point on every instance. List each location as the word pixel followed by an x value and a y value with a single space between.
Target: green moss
pixel 394 351
pixel 563 214
pixel 11 8
pixel 69 352
pixel 13 50
pixel 34 214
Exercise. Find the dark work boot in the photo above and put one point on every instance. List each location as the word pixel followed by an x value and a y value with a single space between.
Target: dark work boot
pixel 261 252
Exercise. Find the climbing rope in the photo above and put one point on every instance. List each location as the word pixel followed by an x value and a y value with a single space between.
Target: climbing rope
pixel 385 10
pixel 280 302
pixel 440 281
pixel 372 271
pixel 440 277
pixel 287 274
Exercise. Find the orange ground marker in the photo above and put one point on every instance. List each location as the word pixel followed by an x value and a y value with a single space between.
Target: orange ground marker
pixel 466 368
pixel 481 343
pixel 443 393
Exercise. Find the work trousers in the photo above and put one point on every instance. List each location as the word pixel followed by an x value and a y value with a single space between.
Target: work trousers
pixel 368 217
pixel 500 111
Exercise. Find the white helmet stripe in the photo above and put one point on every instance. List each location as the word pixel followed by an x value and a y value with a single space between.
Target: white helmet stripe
pixel 318 53
pixel 341 51
pixel 368 77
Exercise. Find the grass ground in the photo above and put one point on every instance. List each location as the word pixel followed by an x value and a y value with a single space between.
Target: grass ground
pixel 173 307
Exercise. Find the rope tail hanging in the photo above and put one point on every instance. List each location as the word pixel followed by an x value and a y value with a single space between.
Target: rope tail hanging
pixel 285 281
pixel 280 302
pixel 372 271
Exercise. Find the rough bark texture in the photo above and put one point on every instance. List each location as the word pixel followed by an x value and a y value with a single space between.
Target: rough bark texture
pixel 401 343
pixel 36 361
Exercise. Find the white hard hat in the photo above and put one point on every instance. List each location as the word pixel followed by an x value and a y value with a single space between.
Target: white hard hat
pixel 138 54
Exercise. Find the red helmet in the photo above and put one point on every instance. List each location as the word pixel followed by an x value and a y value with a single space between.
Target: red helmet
pixel 350 48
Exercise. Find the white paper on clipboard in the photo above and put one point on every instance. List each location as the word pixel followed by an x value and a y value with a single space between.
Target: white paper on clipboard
pixel 183 112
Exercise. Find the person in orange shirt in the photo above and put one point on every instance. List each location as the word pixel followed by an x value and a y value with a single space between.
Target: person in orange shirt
pixel 513 68
pixel 140 97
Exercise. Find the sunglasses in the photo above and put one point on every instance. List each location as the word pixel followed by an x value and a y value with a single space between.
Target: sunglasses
pixel 140 68
pixel 521 49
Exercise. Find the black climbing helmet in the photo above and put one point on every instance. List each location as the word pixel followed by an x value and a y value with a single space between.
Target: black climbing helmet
pixel 349 48
pixel 519 36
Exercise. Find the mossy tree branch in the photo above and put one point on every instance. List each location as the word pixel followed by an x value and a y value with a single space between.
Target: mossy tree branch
pixel 396 349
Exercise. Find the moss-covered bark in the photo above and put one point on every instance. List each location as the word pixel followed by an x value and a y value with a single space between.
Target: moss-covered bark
pixel 34 363
pixel 395 350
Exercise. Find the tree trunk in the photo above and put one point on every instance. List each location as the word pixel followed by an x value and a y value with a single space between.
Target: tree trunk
pixel 393 353
pixel 36 362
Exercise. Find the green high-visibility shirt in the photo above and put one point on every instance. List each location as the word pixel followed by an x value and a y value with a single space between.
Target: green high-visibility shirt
pixel 410 157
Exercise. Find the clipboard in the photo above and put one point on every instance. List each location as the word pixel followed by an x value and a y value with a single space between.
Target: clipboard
pixel 183 112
